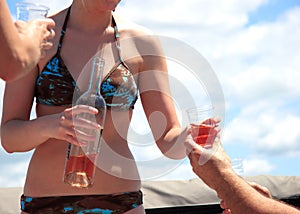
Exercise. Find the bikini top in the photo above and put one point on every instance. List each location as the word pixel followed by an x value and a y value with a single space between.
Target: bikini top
pixel 55 85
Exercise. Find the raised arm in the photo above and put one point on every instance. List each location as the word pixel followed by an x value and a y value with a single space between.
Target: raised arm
pixel 21 43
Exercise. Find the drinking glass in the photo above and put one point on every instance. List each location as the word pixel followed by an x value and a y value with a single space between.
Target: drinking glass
pixel 202 125
pixel 28 11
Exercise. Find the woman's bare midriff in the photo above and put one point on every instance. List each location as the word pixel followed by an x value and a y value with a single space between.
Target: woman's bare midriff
pixel 116 169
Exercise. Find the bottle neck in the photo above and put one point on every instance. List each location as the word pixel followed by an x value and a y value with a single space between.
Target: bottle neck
pixel 96 75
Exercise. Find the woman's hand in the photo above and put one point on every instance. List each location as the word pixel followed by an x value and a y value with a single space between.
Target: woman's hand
pixel 69 127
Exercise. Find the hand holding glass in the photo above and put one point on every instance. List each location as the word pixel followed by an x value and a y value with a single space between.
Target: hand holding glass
pixel 203 125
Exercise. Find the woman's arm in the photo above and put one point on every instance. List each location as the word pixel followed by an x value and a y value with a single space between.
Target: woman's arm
pixel 21 43
pixel 19 133
pixel 158 103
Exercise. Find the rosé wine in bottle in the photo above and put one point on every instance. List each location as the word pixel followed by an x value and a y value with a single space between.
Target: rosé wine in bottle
pixel 80 162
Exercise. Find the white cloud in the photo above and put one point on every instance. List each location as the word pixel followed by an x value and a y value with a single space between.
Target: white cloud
pixel 273 131
pixel 261 49
pixel 209 13
pixel 165 169
pixel 258 68
pixel 14 174
pixel 257 166
pixel 283 138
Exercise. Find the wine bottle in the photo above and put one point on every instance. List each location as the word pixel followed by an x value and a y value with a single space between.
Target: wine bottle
pixel 80 162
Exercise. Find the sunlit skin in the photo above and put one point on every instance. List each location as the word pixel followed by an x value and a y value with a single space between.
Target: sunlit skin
pixel 236 194
pixel 22 44
pixel 50 133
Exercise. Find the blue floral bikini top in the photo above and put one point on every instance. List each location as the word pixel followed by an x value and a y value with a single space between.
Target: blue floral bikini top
pixel 55 85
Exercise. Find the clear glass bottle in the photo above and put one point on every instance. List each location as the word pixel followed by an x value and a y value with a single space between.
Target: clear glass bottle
pixel 80 162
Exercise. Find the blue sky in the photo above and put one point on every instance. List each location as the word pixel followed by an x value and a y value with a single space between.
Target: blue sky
pixel 270 11
pixel 253 48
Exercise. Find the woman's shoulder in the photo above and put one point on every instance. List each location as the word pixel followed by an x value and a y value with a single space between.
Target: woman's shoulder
pixel 141 40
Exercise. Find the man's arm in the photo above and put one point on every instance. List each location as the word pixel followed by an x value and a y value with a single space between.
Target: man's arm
pixel 240 197
pixel 215 170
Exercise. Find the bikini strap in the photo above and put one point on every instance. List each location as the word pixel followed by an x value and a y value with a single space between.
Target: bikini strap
pixel 63 30
pixel 117 37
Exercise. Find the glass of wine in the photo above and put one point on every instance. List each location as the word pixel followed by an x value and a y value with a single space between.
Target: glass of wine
pixel 202 124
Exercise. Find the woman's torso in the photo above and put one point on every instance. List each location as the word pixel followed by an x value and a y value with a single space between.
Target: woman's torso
pixel 118 171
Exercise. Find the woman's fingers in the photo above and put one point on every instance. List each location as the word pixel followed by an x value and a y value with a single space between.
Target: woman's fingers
pixel 83 122
pixel 77 124
pixel 86 120
pixel 82 109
